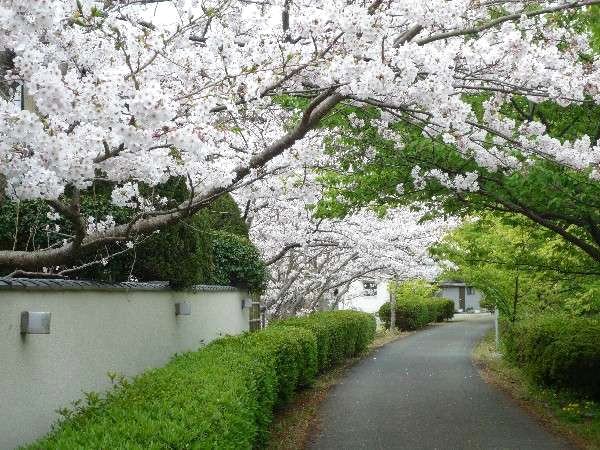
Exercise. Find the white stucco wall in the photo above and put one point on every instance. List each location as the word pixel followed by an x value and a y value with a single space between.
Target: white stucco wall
pixel 94 332
pixel 367 303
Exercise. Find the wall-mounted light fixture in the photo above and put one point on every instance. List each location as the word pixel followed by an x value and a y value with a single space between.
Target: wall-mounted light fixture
pixel 183 308
pixel 246 303
pixel 33 322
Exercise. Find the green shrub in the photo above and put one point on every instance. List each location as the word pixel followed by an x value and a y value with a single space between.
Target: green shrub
pixel 339 334
pixel 221 396
pixel 180 254
pixel 237 262
pixel 414 314
pixel 558 350
pixel 416 305
pixel 295 353
pixel 444 309
pixel 211 247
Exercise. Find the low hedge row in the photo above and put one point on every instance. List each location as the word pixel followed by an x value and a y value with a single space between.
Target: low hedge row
pixel 414 314
pixel 339 334
pixel 221 396
pixel 557 350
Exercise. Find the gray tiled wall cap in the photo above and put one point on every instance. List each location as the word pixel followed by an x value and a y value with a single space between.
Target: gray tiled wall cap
pixel 60 284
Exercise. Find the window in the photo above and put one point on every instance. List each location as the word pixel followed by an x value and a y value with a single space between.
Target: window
pixel 370 288
pixel 470 290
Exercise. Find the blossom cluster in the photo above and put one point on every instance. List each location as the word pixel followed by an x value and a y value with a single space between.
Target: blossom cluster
pixel 138 92
pixel 183 88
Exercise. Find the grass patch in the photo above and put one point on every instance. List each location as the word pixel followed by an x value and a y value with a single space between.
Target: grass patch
pixel 294 423
pixel 563 412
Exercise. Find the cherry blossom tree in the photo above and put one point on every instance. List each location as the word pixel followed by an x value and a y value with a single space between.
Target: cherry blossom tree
pixel 138 91
pixel 338 253
pixel 313 261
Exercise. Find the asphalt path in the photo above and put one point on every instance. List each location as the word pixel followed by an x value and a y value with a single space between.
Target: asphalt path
pixel 423 392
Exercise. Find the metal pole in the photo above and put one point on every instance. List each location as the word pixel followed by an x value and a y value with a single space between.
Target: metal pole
pixel 497 312
pixel 392 310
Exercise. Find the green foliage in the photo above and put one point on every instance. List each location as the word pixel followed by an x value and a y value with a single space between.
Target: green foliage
pixel 221 396
pixel 415 314
pixel 295 351
pixel 445 310
pixel 24 225
pixel 339 334
pixel 566 198
pixel 181 254
pixel 372 171
pixel 416 289
pixel 237 262
pixel 521 269
pixel 558 350
pixel 416 305
pixel 223 214
pixel 212 247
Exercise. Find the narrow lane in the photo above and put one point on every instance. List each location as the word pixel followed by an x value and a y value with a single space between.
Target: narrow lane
pixel 423 392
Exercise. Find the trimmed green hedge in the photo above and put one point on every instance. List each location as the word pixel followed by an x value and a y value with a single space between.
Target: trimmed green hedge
pixel 339 334
pixel 415 314
pixel 558 350
pixel 444 309
pixel 221 396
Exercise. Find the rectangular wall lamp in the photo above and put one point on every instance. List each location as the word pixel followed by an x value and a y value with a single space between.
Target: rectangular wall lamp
pixel 246 303
pixel 34 322
pixel 183 308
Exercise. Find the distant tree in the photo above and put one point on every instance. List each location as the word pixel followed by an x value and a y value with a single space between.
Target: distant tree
pixel 521 268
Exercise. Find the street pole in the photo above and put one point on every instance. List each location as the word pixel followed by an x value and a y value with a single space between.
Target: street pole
pixel 497 312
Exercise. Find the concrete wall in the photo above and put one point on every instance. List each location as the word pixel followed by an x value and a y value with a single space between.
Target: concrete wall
pixel 94 331
pixel 471 300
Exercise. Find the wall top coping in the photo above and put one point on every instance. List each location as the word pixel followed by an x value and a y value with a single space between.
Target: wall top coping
pixel 62 285
pixel 453 284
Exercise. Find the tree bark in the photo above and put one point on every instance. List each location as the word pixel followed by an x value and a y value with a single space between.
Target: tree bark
pixel 392 311
pixel 515 299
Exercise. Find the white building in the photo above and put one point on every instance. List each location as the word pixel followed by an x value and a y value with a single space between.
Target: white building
pixel 366 295
pixel 369 294
pixel 466 298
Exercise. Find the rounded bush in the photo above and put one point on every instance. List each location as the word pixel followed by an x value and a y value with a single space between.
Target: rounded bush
pixel 443 309
pixel 236 262
pixel 558 350
pixel 413 314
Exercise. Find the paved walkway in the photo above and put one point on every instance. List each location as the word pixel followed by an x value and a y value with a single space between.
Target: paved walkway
pixel 422 392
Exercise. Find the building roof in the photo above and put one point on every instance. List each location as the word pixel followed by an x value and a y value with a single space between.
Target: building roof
pixel 61 284
pixel 452 284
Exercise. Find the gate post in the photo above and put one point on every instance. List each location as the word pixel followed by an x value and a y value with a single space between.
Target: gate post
pixel 255 314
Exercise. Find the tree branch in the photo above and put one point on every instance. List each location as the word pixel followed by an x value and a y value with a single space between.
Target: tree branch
pixel 65 254
pixel 507 18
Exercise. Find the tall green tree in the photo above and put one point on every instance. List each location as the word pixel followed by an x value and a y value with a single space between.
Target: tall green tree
pixel 521 268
